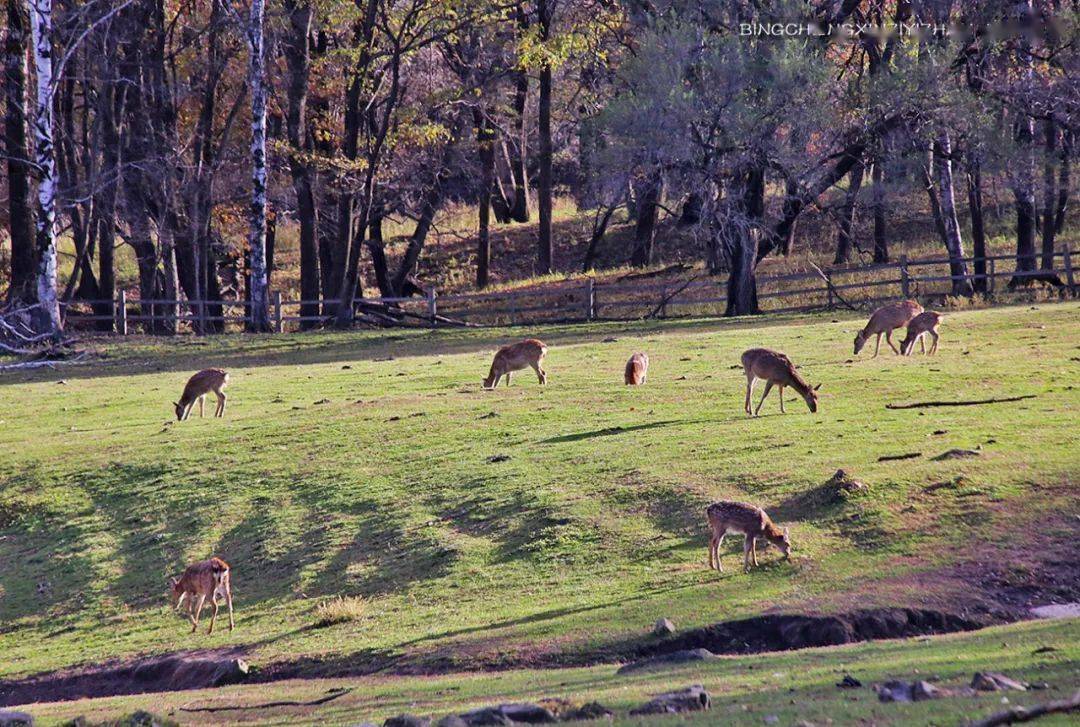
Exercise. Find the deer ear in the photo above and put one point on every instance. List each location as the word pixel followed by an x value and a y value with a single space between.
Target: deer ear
pixel 817 387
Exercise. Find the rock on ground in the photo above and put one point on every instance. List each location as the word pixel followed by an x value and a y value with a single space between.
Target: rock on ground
pixel 407 720
pixel 689 699
pixel 909 691
pixel 663 627
pixel 992 681
pixel 682 656
pixel 11 718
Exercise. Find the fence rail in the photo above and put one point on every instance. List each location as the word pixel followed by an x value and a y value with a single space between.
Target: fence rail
pixel 583 300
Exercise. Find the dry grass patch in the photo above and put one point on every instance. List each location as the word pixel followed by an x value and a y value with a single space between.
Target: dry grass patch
pixel 342 609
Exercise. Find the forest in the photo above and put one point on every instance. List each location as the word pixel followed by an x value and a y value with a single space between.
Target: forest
pixel 195 132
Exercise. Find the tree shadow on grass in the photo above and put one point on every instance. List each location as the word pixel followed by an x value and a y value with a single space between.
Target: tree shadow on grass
pixel 610 431
pixel 384 555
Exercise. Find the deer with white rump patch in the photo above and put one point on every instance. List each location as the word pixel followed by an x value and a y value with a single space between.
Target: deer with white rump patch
pixel 728 516
pixel 884 320
pixel 922 325
pixel 516 357
pixel 775 369
pixel 636 369
pixel 200 581
pixel 198 386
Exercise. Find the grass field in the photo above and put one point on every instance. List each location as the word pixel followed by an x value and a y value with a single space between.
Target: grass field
pixel 532 526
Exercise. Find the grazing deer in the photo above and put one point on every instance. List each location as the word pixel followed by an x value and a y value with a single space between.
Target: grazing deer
pixel 727 516
pixel 636 369
pixel 926 322
pixel 202 580
pixel 516 357
pixel 198 386
pixel 775 369
pixel 884 320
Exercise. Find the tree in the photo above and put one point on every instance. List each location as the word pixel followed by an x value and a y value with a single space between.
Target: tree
pixel 47 313
pixel 20 208
pixel 260 303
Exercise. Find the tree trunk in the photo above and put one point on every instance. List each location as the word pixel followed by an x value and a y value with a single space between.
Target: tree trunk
pixel 648 215
pixel 847 214
pixel 485 140
pixel 20 210
pixel 954 243
pixel 298 57
pixel 740 241
pixel 260 302
pixel 47 315
pixel 978 230
pixel 519 205
pixel 545 254
pixel 881 242
pixel 690 214
pixel 1049 228
pixel 1023 168
pixel 1063 180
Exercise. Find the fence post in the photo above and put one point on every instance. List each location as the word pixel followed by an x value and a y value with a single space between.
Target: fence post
pixel 590 299
pixel 121 313
pixel 1069 269
pixel 990 270
pixel 277 311
pixel 432 306
pixel 905 284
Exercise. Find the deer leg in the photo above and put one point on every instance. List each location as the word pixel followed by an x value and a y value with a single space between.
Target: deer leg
pixel 768 387
pixel 877 346
pixel 213 616
pixel 199 601
pixel 509 376
pixel 888 340
pixel 221 403
pixel 781 393
pixel 753 552
pixel 748 547
pixel 202 399
pixel 540 374
pixel 712 549
pixel 719 544
pixel 749 393
pixel 922 343
pixel 933 346
pixel 228 602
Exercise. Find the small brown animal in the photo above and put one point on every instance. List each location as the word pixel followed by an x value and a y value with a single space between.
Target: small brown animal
pixel 516 357
pixel 727 516
pixel 774 368
pixel 884 320
pixel 202 580
pixel 926 322
pixel 198 386
pixel 636 369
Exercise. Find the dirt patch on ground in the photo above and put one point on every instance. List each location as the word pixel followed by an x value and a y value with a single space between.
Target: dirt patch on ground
pixel 782 632
pixel 184 670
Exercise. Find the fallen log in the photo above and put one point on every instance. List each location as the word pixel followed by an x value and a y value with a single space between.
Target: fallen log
pixel 334 694
pixel 968 402
pixel 1026 714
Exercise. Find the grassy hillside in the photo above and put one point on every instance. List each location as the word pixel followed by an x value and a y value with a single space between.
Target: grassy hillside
pixel 525 525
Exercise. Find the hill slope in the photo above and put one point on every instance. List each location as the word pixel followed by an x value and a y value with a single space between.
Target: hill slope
pixel 527 525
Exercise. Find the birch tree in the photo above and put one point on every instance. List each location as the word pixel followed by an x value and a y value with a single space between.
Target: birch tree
pixel 259 314
pixel 47 315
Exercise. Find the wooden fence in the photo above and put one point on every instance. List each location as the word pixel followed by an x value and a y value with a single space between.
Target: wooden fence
pixel 586 300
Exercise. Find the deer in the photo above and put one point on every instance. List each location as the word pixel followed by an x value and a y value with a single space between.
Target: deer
pixel 728 516
pixel 636 369
pixel 884 320
pixel 918 327
pixel 200 581
pixel 775 369
pixel 516 357
pixel 198 386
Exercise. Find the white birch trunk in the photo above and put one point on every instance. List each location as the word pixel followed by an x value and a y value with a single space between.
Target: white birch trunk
pixel 260 318
pixel 954 242
pixel 48 314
